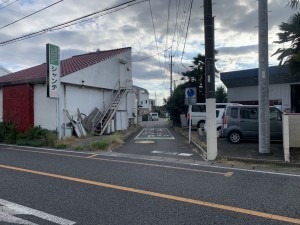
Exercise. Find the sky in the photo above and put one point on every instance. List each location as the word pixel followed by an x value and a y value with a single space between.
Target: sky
pixel 155 30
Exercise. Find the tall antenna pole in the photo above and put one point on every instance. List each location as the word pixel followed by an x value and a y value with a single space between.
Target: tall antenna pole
pixel 263 79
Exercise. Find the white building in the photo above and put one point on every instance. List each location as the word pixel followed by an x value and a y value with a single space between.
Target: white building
pixel 142 102
pixel 284 88
pixel 88 81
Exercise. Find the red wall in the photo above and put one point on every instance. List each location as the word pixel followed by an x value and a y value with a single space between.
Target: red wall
pixel 18 106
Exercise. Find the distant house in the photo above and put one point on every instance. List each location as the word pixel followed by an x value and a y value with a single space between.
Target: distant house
pixel 284 88
pixel 143 103
pixel 88 82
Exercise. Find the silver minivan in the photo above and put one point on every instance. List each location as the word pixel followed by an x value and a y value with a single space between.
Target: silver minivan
pixel 241 122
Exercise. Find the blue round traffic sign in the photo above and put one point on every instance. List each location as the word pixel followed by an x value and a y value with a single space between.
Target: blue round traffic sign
pixel 190 92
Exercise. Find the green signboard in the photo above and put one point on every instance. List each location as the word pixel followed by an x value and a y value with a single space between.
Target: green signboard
pixel 53 71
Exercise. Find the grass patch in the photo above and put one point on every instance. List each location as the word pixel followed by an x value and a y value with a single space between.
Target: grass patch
pixel 37 137
pixel 106 143
pixel 40 137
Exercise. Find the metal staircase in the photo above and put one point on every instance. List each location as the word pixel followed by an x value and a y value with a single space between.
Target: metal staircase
pixel 104 119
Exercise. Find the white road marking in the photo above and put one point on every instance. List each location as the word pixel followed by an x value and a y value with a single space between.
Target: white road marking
pixel 145 142
pixel 154 133
pixel 8 210
pixel 185 154
pixel 171 153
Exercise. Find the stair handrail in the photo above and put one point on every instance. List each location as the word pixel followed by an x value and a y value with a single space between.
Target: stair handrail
pixel 97 119
pixel 111 113
pixel 115 92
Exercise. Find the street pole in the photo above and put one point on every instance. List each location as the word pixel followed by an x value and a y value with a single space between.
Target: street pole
pixel 211 137
pixel 263 79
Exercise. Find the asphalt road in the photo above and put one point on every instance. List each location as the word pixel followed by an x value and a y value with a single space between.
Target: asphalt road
pixel 40 186
pixel 157 139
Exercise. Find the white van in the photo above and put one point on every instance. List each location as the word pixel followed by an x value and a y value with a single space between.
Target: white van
pixel 219 121
pixel 198 113
pixel 153 116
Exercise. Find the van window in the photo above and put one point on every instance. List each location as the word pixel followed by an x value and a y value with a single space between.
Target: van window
pixel 249 113
pixel 234 112
pixel 198 108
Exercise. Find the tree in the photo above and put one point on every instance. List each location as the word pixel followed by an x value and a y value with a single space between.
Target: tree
pixel 196 76
pixel 290 34
pixel 221 95
pixel 293 4
pixel 175 104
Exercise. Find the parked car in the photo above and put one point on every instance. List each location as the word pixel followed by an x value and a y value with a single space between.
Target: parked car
pixel 241 122
pixel 219 121
pixel 198 113
pixel 153 116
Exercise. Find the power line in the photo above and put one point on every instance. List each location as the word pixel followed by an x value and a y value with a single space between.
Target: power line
pixel 156 40
pixel 168 20
pixel 31 14
pixel 187 29
pixel 8 4
pixel 103 14
pixel 65 24
pixel 151 56
pixel 177 9
pixel 181 29
pixel 167 34
pixel 4 2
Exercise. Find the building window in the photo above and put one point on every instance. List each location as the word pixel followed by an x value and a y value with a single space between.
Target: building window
pixel 146 101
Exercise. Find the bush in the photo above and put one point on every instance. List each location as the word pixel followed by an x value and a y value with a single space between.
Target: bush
pixel 8 133
pixel 37 137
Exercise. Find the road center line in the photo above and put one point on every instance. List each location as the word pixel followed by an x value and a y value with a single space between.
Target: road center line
pixel 160 195
pixel 92 157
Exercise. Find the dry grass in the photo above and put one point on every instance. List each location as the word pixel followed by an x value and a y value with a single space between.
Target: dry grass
pixel 98 143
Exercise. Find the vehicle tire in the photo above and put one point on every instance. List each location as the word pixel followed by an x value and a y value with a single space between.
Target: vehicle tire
pixel 219 132
pixel 201 124
pixel 234 137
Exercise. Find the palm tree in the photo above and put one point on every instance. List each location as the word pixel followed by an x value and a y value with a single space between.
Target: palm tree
pixel 290 34
pixel 196 76
pixel 293 4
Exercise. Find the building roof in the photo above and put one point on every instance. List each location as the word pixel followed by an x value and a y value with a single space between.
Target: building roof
pixel 243 78
pixel 38 73
pixel 140 88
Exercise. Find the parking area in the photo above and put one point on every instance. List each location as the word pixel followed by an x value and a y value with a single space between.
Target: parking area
pixel 247 149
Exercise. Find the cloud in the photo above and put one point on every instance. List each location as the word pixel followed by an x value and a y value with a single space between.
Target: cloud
pixel 239 50
pixel 236 34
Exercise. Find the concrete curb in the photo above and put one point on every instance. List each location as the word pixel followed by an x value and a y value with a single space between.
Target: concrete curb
pixel 260 161
pixel 201 152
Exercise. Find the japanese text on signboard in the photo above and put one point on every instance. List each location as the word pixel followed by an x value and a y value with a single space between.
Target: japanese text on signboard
pixel 53 76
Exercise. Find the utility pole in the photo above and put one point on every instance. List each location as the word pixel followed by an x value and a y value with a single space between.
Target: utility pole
pixel 263 79
pixel 171 75
pixel 211 137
